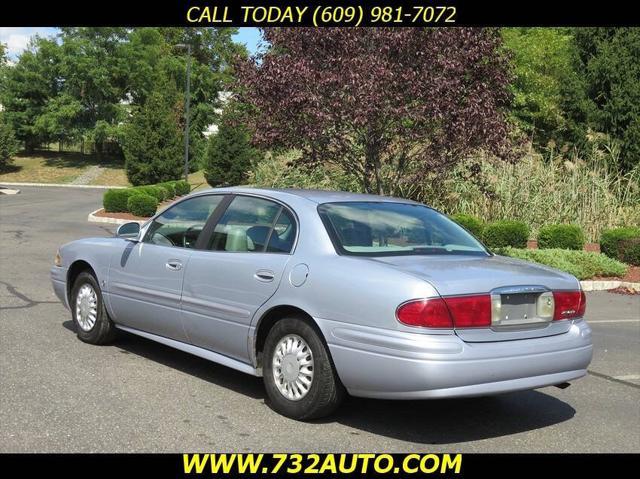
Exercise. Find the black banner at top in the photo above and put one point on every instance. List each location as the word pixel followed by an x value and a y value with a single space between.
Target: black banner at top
pixel 291 13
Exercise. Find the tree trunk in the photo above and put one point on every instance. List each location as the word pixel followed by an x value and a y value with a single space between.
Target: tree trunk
pixel 366 181
pixel 372 167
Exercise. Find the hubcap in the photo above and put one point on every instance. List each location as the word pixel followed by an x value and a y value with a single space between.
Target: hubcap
pixel 86 307
pixel 293 367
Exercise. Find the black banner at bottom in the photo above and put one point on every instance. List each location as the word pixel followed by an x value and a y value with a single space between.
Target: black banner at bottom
pixel 262 465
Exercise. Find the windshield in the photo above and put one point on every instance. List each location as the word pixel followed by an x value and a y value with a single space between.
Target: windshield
pixel 394 229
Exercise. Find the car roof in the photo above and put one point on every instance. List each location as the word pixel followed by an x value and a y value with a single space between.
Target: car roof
pixel 316 196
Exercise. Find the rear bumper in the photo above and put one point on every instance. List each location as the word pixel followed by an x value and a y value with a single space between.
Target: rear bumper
pixel 59 283
pixel 399 365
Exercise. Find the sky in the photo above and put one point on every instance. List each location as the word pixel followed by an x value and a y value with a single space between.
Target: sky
pixel 17 39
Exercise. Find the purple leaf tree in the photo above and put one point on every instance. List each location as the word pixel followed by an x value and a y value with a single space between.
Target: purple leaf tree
pixel 385 104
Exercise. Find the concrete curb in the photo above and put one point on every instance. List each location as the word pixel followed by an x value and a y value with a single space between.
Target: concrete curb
pixel 92 218
pixel 606 285
pixel 65 185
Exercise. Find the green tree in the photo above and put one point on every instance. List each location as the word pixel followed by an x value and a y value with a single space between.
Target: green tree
pixel 8 143
pixel 229 153
pixel 549 93
pixel 95 77
pixel 152 139
pixel 27 87
pixel 610 61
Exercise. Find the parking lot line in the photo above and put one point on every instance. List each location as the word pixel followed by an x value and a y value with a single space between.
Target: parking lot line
pixel 613 379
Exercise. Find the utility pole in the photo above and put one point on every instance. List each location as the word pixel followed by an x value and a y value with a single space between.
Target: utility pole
pixel 187 101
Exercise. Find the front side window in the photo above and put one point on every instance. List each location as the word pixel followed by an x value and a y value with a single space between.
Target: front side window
pixel 254 225
pixel 394 229
pixel 182 224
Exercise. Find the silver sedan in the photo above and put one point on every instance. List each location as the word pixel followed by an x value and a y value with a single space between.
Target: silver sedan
pixel 327 293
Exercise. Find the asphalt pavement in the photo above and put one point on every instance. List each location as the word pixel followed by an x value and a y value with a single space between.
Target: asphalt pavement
pixel 58 394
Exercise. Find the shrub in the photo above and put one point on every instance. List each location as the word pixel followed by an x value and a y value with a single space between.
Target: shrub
pixel 182 187
pixel 115 201
pixel 170 186
pixel 581 264
pixel 142 204
pixel 561 236
pixel 156 191
pixel 229 154
pixel 470 222
pixel 611 241
pixel 506 233
pixel 8 144
pixel 631 251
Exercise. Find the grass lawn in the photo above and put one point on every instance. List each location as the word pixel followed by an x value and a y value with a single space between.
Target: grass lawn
pixel 46 166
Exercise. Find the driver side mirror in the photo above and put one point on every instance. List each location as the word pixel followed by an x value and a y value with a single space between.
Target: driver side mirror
pixel 129 231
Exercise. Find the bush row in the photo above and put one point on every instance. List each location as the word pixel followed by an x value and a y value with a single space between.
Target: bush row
pixel 498 234
pixel 581 264
pixel 622 244
pixel 128 200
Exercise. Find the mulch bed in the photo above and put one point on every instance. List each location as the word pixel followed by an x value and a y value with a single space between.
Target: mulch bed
pixel 632 276
pixel 121 216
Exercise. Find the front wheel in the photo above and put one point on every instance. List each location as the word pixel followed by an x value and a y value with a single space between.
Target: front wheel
pixel 299 376
pixel 90 317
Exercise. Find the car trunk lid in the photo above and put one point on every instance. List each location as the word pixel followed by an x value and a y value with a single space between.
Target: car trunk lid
pixel 517 288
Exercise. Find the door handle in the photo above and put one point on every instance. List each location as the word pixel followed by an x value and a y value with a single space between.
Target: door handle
pixel 264 275
pixel 174 265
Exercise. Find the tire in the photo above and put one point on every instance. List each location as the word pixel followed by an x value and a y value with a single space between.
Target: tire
pixel 325 392
pixel 98 331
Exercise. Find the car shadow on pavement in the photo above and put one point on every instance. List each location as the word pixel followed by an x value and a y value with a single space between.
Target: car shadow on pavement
pixel 187 363
pixel 438 421
pixel 450 421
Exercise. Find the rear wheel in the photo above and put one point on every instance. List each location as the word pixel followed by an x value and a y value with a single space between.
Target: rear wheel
pixel 90 317
pixel 299 376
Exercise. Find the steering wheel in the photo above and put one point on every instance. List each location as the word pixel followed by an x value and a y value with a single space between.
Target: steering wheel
pixel 186 234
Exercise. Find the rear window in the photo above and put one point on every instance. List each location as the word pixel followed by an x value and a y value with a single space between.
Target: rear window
pixel 395 229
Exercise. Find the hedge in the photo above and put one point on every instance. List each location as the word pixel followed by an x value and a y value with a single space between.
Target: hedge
pixel 581 264
pixel 182 187
pixel 142 204
pixel 561 236
pixel 159 192
pixel 630 250
pixel 471 223
pixel 170 186
pixel 500 234
pixel 614 242
pixel 115 201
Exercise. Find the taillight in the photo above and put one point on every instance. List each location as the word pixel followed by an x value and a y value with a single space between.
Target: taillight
pixel 470 311
pixel 428 313
pixel 569 304
pixel 455 311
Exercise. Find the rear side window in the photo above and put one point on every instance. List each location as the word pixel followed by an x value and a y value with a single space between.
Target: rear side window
pixel 283 234
pixel 253 225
